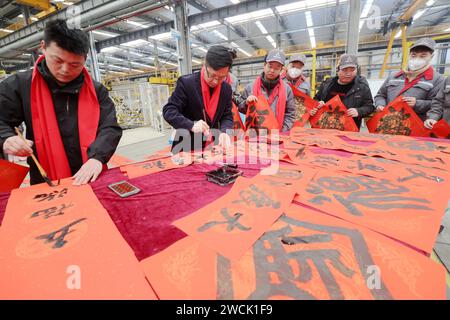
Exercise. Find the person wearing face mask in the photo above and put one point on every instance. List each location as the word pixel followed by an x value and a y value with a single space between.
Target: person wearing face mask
pixel 279 95
pixel 352 88
pixel 418 83
pixel 294 74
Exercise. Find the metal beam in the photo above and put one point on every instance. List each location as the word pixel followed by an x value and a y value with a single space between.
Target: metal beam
pixel 86 11
pixel 195 36
pixel 443 17
pixel 442 59
pixel 334 56
pixel 145 33
pixel 214 14
pixel 153 20
pixel 93 55
pixel 198 5
pixel 241 33
pixel 353 26
pixel 283 24
pixel 37 26
pixel 183 48
pixel 135 35
pixel 412 9
pixel 238 29
pixel 7 12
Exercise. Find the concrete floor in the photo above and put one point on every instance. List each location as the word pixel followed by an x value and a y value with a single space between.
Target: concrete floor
pixel 137 144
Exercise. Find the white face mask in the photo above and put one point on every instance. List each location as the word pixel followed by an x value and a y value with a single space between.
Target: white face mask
pixel 417 63
pixel 294 73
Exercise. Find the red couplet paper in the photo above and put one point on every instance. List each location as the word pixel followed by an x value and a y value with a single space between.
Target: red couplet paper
pixel 260 115
pixel 304 104
pixel 333 115
pixel 60 243
pixel 440 130
pixel 397 118
pixel 11 175
pixel 231 224
pixel 305 255
pixel 399 210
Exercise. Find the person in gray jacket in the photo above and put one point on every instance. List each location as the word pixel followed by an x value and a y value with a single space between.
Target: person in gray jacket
pixel 440 106
pixel 271 85
pixel 294 73
pixel 418 84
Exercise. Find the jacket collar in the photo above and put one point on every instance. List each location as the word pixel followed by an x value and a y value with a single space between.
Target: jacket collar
pixel 356 85
pixel 269 84
pixel 427 74
pixel 72 87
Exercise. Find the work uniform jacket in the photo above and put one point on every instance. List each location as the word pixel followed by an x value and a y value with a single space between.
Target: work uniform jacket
pixel 289 115
pixel 440 105
pixel 304 86
pixel 424 90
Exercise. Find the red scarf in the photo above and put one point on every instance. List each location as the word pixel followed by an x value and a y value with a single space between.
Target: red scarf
pixel 209 102
pixel 49 146
pixel 280 92
pixel 299 81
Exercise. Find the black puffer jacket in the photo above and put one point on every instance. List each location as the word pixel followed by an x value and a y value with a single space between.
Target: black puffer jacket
pixel 358 97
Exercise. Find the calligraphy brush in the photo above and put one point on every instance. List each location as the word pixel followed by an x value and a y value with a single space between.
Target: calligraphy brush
pixel 41 170
pixel 208 136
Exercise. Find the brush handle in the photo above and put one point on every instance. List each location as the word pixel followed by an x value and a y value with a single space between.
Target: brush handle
pixel 38 165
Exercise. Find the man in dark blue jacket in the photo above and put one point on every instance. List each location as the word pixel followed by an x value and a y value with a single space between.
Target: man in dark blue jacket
pixel 200 107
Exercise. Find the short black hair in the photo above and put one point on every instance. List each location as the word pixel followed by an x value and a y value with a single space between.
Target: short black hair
pixel 421 49
pixel 219 57
pixel 69 39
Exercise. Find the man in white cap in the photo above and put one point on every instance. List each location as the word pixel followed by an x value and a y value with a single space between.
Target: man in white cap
pixel 418 83
pixel 278 94
pixel 352 88
pixel 294 74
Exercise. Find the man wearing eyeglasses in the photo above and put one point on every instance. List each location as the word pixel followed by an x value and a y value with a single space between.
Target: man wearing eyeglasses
pixel 200 107
pixel 279 96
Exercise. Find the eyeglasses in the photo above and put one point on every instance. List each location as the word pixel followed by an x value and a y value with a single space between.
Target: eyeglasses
pixel 217 78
